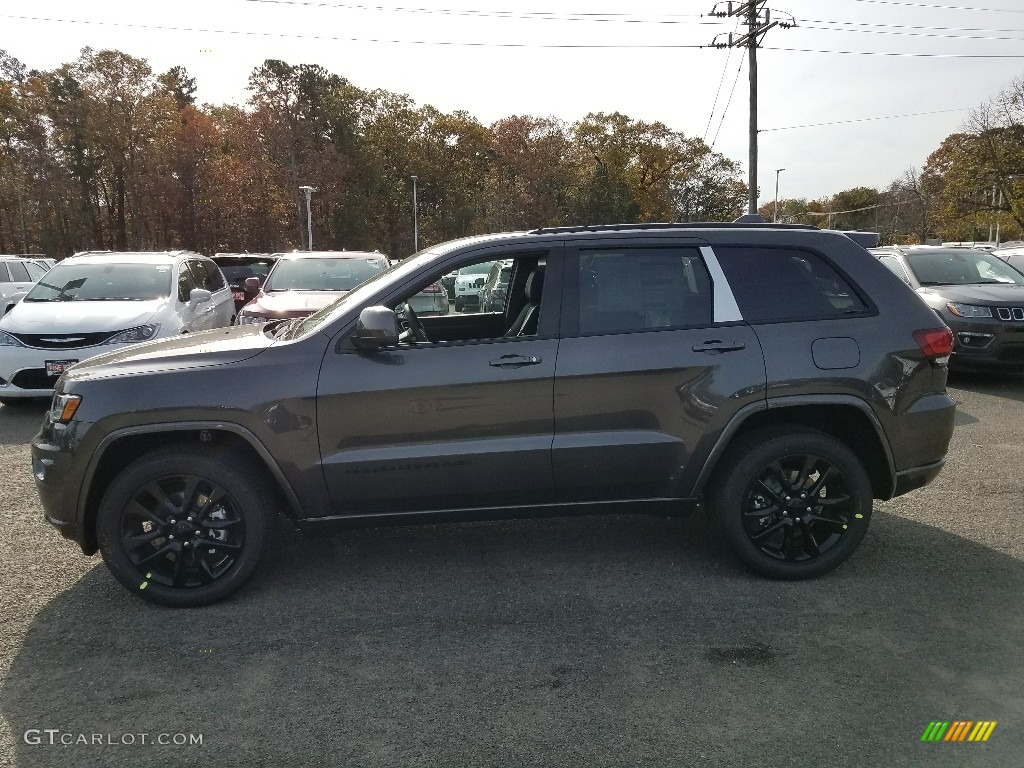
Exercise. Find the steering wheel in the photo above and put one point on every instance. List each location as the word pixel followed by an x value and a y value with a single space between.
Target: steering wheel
pixel 413 324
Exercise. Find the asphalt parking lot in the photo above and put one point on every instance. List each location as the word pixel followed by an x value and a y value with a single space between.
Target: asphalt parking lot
pixel 608 641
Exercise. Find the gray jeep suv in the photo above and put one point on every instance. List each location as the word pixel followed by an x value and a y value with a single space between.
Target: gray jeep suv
pixel 779 374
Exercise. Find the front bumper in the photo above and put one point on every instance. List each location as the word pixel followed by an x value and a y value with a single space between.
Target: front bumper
pixel 23 369
pixel 987 343
pixel 58 479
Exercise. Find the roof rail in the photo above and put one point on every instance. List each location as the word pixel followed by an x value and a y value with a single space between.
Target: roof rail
pixel 663 225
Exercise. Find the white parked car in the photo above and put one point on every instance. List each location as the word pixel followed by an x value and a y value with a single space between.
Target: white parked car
pixel 89 304
pixel 16 278
pixel 468 284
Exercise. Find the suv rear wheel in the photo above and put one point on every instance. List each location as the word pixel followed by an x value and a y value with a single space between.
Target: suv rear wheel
pixel 791 502
pixel 185 527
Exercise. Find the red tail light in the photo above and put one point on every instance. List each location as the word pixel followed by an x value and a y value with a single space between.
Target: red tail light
pixel 935 342
pixel 433 288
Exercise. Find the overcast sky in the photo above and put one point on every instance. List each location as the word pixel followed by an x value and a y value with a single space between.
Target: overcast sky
pixel 490 59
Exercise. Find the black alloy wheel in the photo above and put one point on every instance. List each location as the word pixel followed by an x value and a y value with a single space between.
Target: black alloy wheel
pixel 184 526
pixel 791 503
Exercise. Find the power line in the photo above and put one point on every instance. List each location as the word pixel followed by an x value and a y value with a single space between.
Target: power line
pixel 865 119
pixel 908 34
pixel 721 80
pixel 940 7
pixel 481 44
pixel 903 54
pixel 334 38
pixel 727 103
pixel 629 18
pixel 909 26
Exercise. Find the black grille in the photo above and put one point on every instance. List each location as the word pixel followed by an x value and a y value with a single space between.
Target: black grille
pixel 1010 313
pixel 63 340
pixel 34 378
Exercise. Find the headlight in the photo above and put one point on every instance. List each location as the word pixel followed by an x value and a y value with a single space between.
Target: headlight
pixel 969 310
pixel 63 408
pixel 6 340
pixel 133 335
pixel 246 319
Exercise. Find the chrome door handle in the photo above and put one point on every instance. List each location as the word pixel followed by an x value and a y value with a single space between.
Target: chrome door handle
pixel 515 361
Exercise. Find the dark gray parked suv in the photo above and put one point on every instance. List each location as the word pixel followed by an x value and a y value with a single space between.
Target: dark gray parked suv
pixel 780 374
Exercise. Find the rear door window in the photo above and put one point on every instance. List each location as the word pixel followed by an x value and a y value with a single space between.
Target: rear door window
pixel 18 272
pixel 641 289
pixel 786 284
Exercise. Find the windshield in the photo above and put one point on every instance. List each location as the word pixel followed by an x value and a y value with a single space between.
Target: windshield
pixel 397 271
pixel 962 267
pixel 477 269
pixel 235 271
pixel 35 271
pixel 322 274
pixel 103 282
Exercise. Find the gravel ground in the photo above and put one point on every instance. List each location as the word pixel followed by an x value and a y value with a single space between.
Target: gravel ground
pixel 608 641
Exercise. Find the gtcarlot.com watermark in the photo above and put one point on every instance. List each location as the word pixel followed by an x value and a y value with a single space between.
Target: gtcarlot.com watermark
pixel 55 737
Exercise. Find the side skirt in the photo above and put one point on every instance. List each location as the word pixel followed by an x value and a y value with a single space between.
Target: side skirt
pixel 334 523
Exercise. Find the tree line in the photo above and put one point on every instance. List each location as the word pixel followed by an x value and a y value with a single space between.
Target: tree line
pixel 102 152
pixel 971 188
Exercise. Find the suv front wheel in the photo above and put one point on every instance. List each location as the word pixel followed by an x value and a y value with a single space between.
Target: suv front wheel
pixel 791 502
pixel 185 526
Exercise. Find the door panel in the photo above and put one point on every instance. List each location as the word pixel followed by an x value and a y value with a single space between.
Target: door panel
pixel 438 426
pixel 654 361
pixel 630 408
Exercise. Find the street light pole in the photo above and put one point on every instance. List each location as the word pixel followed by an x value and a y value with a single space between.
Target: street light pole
pixel 775 215
pixel 415 219
pixel 309 213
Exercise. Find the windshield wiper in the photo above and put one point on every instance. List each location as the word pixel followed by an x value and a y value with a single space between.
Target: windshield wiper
pixel 285 326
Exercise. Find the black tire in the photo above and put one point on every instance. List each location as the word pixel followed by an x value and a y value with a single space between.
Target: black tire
pixel 755 502
pixel 459 305
pixel 218 535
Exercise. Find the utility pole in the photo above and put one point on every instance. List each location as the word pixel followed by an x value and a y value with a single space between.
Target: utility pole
pixel 756 30
pixel 309 213
pixel 775 214
pixel 415 219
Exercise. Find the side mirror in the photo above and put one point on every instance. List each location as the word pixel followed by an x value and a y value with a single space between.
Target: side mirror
pixel 376 327
pixel 198 296
pixel 252 284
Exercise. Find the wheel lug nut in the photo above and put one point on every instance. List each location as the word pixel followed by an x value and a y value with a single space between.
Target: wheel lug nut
pixel 171 537
pixel 802 496
pixel 185 544
pixel 808 509
pixel 190 518
pixel 798 519
pixel 172 521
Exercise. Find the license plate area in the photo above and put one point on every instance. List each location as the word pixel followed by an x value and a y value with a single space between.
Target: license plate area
pixel 57 367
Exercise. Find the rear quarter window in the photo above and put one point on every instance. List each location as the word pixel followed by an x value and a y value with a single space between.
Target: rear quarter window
pixel 786 284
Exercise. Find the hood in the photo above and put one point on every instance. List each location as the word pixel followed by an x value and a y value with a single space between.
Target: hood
pixel 35 317
pixel 216 347
pixel 291 303
pixel 988 294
